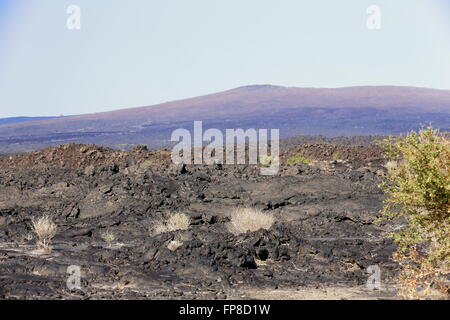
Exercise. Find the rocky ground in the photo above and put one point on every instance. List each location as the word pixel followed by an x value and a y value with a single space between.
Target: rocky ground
pixel 321 245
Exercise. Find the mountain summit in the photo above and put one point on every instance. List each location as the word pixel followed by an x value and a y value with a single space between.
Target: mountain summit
pixel 370 110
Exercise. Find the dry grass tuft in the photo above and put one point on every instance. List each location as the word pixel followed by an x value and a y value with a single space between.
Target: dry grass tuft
pixel 249 219
pixel 45 229
pixel 174 245
pixel 177 221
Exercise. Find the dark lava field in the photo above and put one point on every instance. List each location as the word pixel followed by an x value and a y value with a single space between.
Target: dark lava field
pixel 321 245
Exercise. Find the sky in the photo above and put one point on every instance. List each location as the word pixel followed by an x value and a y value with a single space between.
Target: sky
pixel 144 52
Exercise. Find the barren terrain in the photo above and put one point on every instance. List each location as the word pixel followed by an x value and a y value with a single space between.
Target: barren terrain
pixel 320 246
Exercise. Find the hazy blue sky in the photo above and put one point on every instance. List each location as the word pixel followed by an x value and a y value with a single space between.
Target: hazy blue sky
pixel 142 52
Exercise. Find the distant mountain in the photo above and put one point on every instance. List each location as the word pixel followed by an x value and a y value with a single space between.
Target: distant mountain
pixel 377 110
pixel 22 119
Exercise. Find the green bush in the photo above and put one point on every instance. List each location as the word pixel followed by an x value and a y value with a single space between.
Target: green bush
pixel 418 190
pixel 337 156
pixel 298 158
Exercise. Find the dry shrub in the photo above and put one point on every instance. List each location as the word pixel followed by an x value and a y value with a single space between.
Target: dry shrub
pixel 177 221
pixel 160 227
pixel 249 219
pixel 45 229
pixel 420 279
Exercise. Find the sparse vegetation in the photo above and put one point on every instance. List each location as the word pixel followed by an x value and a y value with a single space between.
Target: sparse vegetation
pixel 177 221
pixel 298 158
pixel 337 156
pixel 249 219
pixel 174 245
pixel 268 161
pixel 45 229
pixel 391 165
pixel 108 236
pixel 295 197
pixel 418 190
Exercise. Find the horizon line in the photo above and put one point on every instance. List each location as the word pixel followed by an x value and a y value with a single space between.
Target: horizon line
pixel 219 92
